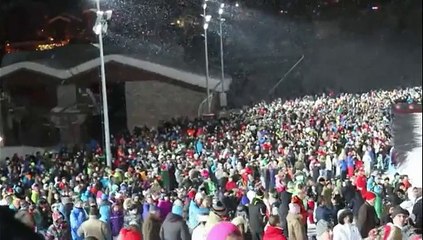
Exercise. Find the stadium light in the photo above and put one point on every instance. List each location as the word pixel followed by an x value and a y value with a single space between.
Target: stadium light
pixel 99 29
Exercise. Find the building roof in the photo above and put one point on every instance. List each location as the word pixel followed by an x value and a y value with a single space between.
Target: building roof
pixel 68 61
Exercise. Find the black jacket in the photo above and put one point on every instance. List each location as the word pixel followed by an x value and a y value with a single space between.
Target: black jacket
pixel 283 209
pixel 257 214
pixel 417 211
pixel 367 219
pixel 174 228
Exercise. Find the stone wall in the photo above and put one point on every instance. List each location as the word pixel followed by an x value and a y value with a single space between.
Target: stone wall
pixel 148 102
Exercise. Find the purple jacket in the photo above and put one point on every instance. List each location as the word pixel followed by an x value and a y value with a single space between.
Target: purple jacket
pixel 116 222
pixel 165 208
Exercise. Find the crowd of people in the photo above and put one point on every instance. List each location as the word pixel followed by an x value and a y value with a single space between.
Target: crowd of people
pixel 272 172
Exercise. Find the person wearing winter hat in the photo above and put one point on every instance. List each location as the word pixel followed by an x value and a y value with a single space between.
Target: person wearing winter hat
pixel 105 208
pixel 257 216
pixel 323 230
pixel 346 229
pixel 216 215
pixel 367 218
pixel 397 229
pixel 195 209
pixel 152 224
pixel 174 226
pixel 77 217
pixel 59 229
pixel 224 231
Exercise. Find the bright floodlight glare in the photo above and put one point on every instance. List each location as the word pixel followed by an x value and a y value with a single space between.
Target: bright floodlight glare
pixel 236 4
pixel 204 5
pixel 1 139
pixel 97 29
pixel 205 26
pixel 220 11
pixel 222 5
pixel 109 14
pixel 208 18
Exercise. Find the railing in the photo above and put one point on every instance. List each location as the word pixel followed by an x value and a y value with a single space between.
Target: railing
pixel 200 110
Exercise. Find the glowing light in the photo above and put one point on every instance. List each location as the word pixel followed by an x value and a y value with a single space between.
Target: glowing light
pixel 375 8
pixel 208 18
pixel 236 4
pixel 220 11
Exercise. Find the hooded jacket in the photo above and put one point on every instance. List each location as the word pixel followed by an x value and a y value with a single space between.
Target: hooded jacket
pixel 77 217
pixel 174 228
pixel 116 222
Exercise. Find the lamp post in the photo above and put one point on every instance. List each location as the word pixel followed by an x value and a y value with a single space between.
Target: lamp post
pixel 99 29
pixel 222 66
pixel 207 19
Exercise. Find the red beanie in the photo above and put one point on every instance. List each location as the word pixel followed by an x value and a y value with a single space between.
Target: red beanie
pixel 370 196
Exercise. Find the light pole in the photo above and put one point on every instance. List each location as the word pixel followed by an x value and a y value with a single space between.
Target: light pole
pixel 207 19
pixel 99 29
pixel 222 66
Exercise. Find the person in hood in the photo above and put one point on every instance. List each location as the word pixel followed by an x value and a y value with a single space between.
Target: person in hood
pixel 367 218
pixel 116 219
pixel 77 217
pixel 152 224
pixel 273 230
pixel 59 229
pixel 104 208
pixel 345 229
pixel 174 226
pixel 257 216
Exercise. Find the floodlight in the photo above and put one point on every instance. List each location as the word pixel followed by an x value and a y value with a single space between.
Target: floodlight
pixel 108 14
pixel 208 18
pixel 222 5
pixel 220 11
pixel 236 4
pixel 97 28
pixel 204 6
pixel 205 26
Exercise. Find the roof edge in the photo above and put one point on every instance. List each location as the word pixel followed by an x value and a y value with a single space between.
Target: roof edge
pixel 173 73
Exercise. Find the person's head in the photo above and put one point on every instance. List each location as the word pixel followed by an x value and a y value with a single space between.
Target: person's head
pixel 399 216
pixel 94 211
pixel 345 216
pixel 370 198
pixel 323 230
pixel 274 220
pixel 224 231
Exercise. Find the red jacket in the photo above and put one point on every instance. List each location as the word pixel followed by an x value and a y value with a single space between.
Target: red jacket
pixel 129 234
pixel 273 233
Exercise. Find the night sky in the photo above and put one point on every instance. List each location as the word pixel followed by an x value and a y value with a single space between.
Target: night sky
pixel 347 46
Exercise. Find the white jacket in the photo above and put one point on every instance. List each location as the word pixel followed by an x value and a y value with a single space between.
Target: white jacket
pixel 346 232
pixel 199 232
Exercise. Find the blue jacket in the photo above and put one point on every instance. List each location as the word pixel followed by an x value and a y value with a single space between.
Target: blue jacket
pixel 104 210
pixel 77 217
pixel 193 212
pixel 325 213
pixel 343 165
